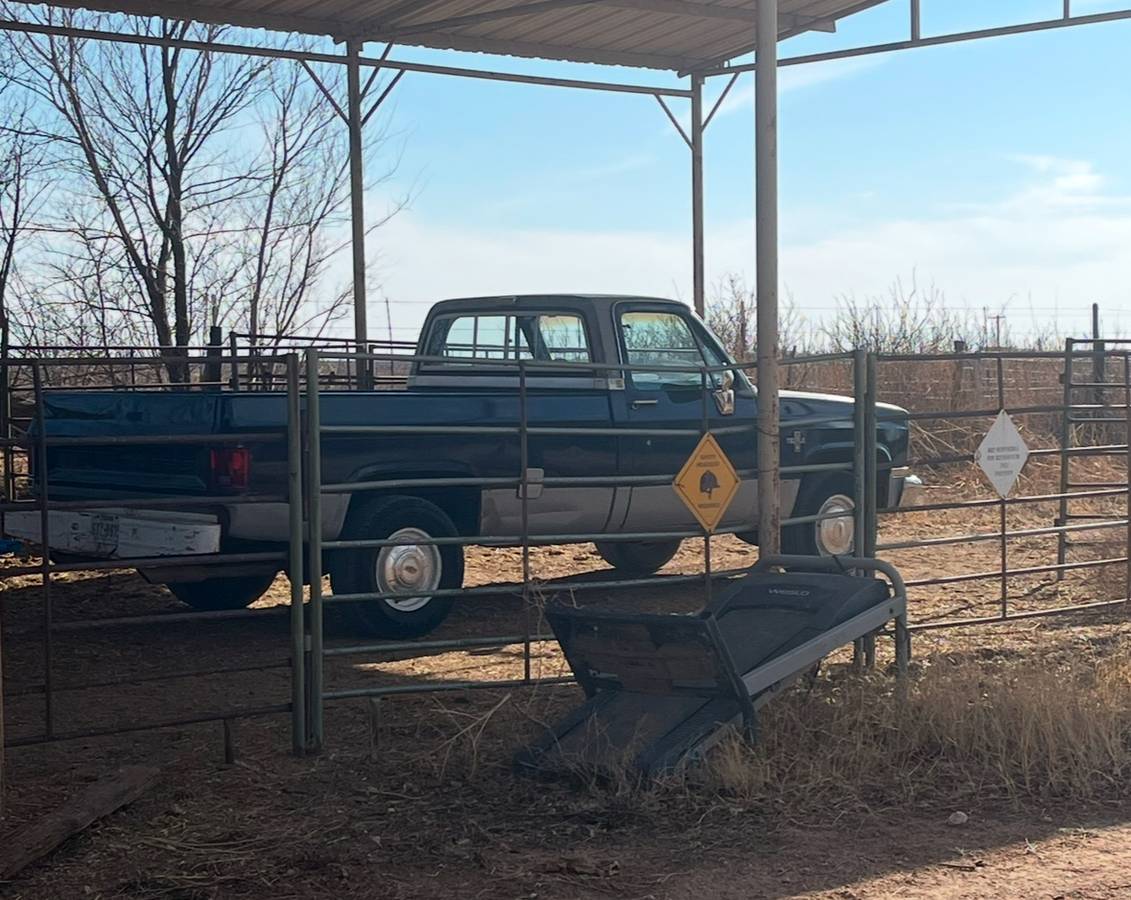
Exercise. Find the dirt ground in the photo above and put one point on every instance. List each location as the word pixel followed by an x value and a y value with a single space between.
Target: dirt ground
pixel 415 797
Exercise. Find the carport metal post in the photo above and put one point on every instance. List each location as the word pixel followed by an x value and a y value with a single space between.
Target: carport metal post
pixel 357 210
pixel 698 278
pixel 766 229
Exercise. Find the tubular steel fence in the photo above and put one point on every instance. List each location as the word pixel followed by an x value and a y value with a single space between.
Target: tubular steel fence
pixel 531 588
pixel 1040 392
pixel 65 683
pixel 1076 478
pixel 271 351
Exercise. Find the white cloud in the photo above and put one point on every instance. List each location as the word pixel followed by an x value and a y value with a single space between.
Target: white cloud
pixel 792 79
pixel 1069 180
pixel 1058 243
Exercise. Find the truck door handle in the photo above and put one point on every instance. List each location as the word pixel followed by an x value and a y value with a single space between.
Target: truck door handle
pixel 636 404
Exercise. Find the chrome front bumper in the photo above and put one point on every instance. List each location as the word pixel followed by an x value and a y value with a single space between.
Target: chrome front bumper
pixel 906 489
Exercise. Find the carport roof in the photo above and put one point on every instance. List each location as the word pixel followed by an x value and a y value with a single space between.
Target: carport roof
pixel 660 34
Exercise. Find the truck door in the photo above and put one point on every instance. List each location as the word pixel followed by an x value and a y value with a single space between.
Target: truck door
pixel 664 336
pixel 560 396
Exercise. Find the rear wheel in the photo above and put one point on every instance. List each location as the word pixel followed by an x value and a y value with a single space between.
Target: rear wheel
pixel 215 594
pixel 834 535
pixel 638 557
pixel 413 568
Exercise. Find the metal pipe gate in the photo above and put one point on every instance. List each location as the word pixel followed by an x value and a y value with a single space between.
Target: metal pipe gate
pixel 1026 384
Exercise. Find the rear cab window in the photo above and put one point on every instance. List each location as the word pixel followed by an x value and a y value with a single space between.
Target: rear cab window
pixel 473 340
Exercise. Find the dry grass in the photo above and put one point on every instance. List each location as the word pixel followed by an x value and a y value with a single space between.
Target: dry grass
pixel 1018 731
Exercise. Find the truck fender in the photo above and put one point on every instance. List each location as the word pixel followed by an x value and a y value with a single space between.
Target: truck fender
pixel 461 503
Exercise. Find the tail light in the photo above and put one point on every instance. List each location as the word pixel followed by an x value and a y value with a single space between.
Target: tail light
pixel 231 468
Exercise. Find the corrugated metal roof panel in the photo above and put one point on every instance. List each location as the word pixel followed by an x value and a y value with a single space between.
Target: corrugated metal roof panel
pixel 662 34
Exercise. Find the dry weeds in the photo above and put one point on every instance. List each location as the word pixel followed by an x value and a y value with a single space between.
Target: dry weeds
pixel 1023 732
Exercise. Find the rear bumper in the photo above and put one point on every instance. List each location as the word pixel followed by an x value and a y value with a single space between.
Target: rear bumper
pixel 119 533
pixel 906 489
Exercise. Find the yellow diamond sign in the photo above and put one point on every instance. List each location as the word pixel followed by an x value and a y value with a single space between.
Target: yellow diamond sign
pixel 707 483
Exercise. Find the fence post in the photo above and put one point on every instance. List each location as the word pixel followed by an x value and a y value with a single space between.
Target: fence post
pixel 705 428
pixel 213 368
pixel 294 556
pixel 45 542
pixel 6 424
pixel 2 752
pixel 1065 440
pixel 859 425
pixel 859 486
pixel 524 487
pixel 871 478
pixel 314 542
pixel 234 366
pixel 1127 412
pixel 1003 511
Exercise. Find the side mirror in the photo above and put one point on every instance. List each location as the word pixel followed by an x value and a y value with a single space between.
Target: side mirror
pixel 724 396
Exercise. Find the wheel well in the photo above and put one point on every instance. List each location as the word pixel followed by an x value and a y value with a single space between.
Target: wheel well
pixel 460 504
pixel 845 455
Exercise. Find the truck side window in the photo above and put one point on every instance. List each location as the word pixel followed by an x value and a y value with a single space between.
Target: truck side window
pixel 563 338
pixel 660 338
pixel 543 337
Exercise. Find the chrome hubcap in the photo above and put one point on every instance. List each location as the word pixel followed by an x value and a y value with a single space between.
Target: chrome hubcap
pixel 408 568
pixel 835 534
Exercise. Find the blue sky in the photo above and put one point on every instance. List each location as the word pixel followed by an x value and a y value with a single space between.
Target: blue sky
pixel 999 170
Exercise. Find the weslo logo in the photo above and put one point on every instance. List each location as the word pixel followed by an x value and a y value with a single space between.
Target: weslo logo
pixel 790 592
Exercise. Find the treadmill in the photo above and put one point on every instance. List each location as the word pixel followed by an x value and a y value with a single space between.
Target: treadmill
pixel 662 689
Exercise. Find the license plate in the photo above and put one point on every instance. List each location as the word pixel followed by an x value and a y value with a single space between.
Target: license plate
pixel 104 530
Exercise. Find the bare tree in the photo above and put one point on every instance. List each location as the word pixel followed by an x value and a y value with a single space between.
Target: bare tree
pixel 23 186
pixel 302 198
pixel 200 188
pixel 909 319
pixel 732 312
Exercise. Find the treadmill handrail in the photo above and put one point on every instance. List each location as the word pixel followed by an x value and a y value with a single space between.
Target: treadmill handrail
pixel 836 565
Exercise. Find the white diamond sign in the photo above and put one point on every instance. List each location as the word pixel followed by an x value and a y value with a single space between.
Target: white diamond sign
pixel 1002 454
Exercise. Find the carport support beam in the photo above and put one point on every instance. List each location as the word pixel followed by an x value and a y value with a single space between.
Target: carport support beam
pixel 698 278
pixel 357 210
pixel 766 228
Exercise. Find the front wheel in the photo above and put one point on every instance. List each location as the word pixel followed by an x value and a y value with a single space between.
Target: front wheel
pixel 412 567
pixel 835 533
pixel 638 557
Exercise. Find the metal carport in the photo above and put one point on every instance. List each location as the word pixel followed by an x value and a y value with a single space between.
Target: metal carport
pixel 695 38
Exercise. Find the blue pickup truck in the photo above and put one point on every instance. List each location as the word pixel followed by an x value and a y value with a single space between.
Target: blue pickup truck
pixel 461 377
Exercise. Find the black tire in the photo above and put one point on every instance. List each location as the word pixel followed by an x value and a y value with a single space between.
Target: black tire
pixel 216 594
pixel 638 557
pixel 356 571
pixel 815 493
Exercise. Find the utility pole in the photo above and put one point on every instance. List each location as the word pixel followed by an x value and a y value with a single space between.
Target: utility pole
pixel 997 320
pixel 1099 359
